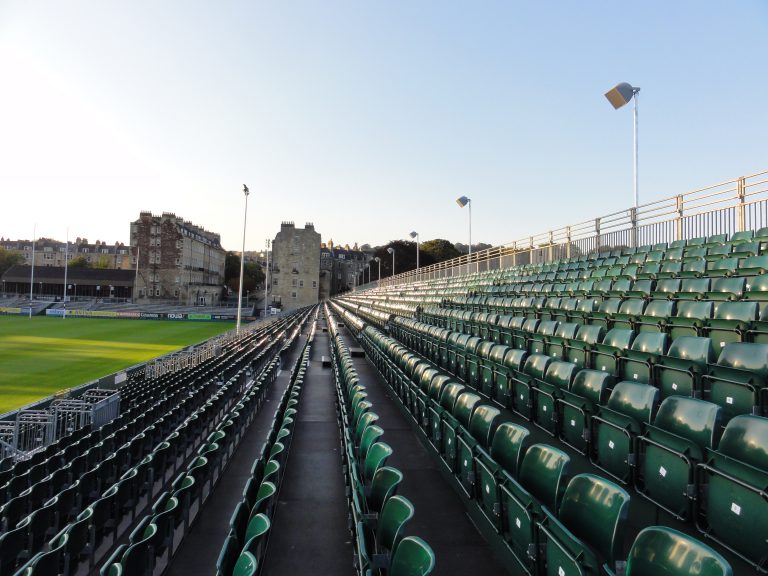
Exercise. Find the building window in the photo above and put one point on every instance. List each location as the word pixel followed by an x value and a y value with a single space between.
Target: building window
pixel 293 294
pixel 293 282
pixel 157 292
pixel 314 283
pixel 301 283
pixel 274 281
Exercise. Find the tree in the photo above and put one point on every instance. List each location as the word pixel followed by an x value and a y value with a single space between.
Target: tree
pixel 253 275
pixel 103 263
pixel 405 257
pixel 8 259
pixel 439 250
pixel 463 248
pixel 79 262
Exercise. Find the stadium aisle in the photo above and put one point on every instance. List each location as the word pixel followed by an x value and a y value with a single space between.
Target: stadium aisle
pixel 199 550
pixel 309 532
pixel 440 517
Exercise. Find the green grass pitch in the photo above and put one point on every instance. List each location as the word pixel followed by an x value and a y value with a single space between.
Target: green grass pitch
pixel 41 355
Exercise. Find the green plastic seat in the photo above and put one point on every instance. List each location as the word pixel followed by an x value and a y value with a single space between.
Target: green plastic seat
pixel 730 323
pixel 588 531
pixel 565 332
pixel 615 427
pixel 377 456
pixel 732 503
pixel 679 372
pixel 383 485
pixel 541 483
pixel 579 351
pixel 605 355
pixel 395 514
pixel 535 367
pixel 726 289
pixel 659 550
pixel 370 435
pixel 654 317
pixel 546 391
pixel 452 423
pixel 637 362
pixel 576 406
pixel 670 449
pixel 255 536
pixel 689 319
pixel 412 557
pixel 738 381
pixel 264 502
pixel 479 434
pixel 508 447
pixel 246 565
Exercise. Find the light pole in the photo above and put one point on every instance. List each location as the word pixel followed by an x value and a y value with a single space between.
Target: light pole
pixel 618 96
pixel 415 234
pixel 242 262
pixel 464 201
pixel 391 250
pixel 32 271
pixel 266 281
pixel 379 261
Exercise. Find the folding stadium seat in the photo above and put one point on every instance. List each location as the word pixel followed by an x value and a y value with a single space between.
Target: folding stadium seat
pixel 557 378
pixel 680 370
pixel 440 384
pixel 506 451
pixel 723 267
pixel 575 407
pixel 689 319
pixel 46 563
pixel 588 531
pixel 540 483
pixel 726 289
pixel 666 288
pixel 567 308
pixel 412 557
pixel 383 486
pixel 732 508
pixel 555 345
pixel 534 368
pixel 661 550
pixel 670 449
pixel 395 514
pixel 475 362
pixel 693 289
pixel 654 317
pixel 649 271
pixel 13 547
pixel 451 424
pixel 738 381
pixel 628 313
pixel 584 310
pixel 493 356
pixel 617 424
pixel 637 362
pixel 512 363
pixel 753 266
pixel 545 330
pixel 604 314
pixel 579 350
pixel 478 434
pixel 730 323
pixel 605 355
pixel 670 269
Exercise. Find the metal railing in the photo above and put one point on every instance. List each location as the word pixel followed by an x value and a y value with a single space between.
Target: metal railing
pixel 723 208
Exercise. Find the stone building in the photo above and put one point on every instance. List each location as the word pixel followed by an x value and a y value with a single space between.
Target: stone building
pixel 340 268
pixel 177 260
pixel 51 253
pixel 295 266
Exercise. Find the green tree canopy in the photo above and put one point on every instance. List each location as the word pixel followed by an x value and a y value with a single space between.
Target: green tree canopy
pixel 439 249
pixel 253 275
pixel 79 262
pixel 8 259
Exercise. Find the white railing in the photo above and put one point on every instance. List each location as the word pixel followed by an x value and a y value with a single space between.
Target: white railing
pixel 723 208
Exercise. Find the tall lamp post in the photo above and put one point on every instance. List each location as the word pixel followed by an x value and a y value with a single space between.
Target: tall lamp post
pixel 242 262
pixel 379 261
pixel 464 201
pixel 392 251
pixel 415 234
pixel 618 96
pixel 266 281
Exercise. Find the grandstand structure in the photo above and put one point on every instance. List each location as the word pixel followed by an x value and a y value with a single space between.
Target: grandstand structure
pixel 596 405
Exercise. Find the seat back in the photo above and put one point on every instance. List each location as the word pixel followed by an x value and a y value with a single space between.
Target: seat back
pixel 619 338
pixel 397 511
pixel 746 439
pixel 696 349
pixel 592 385
pixel 483 423
pixel 412 557
pixel 509 445
pixel 693 419
pixel 650 343
pixel 465 406
pixel 661 550
pixel 596 510
pixel 383 486
pixel 536 365
pixel 544 473
pixel 737 311
pixel 560 374
pixel 634 399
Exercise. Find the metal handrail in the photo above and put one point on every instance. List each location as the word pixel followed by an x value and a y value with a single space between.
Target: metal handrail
pixel 723 207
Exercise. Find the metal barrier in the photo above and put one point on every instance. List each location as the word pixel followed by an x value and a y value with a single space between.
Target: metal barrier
pixel 723 208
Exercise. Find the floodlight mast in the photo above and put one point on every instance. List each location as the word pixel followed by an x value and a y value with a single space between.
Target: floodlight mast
pixel 464 201
pixel 242 262
pixel 416 235
pixel 618 96
pixel 392 251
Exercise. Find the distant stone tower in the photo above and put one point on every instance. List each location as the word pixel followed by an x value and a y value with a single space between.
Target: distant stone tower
pixel 295 266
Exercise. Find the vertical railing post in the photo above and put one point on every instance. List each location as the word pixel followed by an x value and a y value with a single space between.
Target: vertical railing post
pixel 530 250
pixel 597 234
pixel 633 233
pixel 741 188
pixel 514 253
pixel 551 242
pixel 568 242
pixel 679 219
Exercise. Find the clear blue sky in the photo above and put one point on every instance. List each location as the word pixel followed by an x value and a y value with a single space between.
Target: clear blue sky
pixel 368 118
